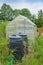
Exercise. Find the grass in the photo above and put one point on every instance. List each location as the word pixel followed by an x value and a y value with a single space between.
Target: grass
pixel 35 51
pixel 35 55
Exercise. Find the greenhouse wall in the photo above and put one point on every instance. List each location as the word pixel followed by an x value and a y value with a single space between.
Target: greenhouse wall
pixel 23 25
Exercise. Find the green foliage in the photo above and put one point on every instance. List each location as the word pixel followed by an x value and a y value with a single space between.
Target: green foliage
pixel 6 12
pixel 25 12
pixel 39 49
pixel 35 57
pixel 5 57
pixel 3 29
pixel 3 53
pixel 16 12
pixel 39 21
pixel 33 18
pixel 29 61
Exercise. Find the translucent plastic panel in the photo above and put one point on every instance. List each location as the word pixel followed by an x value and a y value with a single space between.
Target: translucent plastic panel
pixel 21 24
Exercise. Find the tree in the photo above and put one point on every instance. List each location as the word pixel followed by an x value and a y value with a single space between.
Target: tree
pixel 39 21
pixel 26 12
pixel 6 12
pixel 33 18
pixel 16 12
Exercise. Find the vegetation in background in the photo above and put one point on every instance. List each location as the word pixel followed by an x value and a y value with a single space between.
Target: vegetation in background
pixel 25 12
pixel 39 21
pixel 16 12
pixel 7 13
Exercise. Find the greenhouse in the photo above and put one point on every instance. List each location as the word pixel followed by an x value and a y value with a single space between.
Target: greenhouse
pixel 21 24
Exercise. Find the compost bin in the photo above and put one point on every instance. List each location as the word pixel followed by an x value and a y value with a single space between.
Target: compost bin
pixel 15 44
pixel 25 40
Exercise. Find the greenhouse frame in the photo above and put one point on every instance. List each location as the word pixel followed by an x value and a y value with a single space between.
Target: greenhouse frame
pixel 21 24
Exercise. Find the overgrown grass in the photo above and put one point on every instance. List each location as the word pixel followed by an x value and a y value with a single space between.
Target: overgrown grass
pixel 3 29
pixel 35 55
pixel 35 51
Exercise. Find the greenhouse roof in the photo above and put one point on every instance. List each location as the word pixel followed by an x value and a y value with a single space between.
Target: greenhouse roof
pixel 21 17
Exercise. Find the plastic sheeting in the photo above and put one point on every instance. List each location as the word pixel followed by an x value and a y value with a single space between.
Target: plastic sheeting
pixel 21 24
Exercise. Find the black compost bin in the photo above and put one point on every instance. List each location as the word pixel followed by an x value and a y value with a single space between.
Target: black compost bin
pixel 24 38
pixel 15 43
